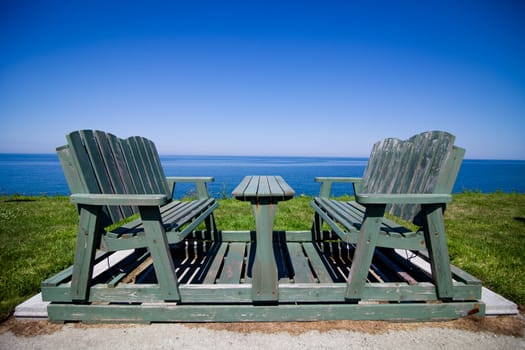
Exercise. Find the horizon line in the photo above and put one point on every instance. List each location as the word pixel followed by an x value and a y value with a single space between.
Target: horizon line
pixel 257 155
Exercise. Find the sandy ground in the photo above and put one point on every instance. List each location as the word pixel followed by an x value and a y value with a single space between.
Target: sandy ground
pixel 473 333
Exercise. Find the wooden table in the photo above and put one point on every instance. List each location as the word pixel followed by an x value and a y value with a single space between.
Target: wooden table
pixel 264 192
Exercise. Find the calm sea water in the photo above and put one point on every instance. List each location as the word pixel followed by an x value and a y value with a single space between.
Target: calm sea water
pixel 36 174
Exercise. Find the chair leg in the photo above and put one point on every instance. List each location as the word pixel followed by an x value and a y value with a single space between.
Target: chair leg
pixel 364 252
pixel 87 242
pixel 160 252
pixel 211 228
pixel 436 241
pixel 317 228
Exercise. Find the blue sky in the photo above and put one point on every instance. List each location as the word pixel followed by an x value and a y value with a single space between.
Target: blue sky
pixel 323 78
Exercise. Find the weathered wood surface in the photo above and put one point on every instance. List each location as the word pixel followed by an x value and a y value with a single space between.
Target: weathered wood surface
pixel 410 179
pixel 316 272
pixel 263 189
pixel 180 270
pixel 249 313
pixel 264 193
pixel 217 273
pixel 425 163
pixel 112 179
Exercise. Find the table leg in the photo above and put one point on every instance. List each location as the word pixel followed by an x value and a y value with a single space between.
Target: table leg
pixel 264 271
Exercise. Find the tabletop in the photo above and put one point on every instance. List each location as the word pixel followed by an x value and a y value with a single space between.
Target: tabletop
pixel 259 189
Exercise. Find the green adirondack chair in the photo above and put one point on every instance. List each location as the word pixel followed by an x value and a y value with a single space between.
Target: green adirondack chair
pixel 411 180
pixel 112 179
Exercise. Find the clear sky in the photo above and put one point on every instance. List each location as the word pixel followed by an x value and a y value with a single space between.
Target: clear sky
pixel 323 78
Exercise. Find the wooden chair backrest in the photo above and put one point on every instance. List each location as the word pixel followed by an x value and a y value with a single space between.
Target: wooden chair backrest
pixel 99 162
pixel 425 163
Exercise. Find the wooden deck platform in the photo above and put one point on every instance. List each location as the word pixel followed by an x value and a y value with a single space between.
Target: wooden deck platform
pixel 215 285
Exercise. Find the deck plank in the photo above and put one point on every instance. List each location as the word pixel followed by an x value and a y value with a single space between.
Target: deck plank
pixel 213 272
pixel 233 263
pixel 302 271
pixel 317 264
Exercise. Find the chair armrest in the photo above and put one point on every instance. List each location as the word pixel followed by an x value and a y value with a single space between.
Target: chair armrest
pixel 403 198
pixel 199 181
pixel 119 199
pixel 195 179
pixel 326 183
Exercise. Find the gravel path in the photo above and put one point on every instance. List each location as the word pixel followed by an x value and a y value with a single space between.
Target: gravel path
pixel 505 333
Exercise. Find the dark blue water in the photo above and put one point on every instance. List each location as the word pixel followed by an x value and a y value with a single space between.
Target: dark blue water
pixel 36 174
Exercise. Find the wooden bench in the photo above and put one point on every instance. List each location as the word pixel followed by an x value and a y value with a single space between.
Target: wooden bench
pixel 411 180
pixel 112 179
pixel 178 267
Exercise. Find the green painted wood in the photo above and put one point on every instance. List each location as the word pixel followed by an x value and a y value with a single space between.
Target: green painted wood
pixel 192 222
pixel 116 171
pixel 270 189
pixel 412 166
pixel 99 168
pixel 445 182
pixel 249 313
pixel 58 279
pixel 119 199
pixel 436 242
pixel 84 252
pixel 244 236
pixel 119 161
pixel 251 270
pixel 153 161
pixel 118 166
pixel 242 293
pixel 64 276
pixel 457 273
pixel 233 263
pixel 287 190
pixel 319 267
pixel 73 178
pixel 298 236
pixel 425 163
pixel 110 168
pixel 327 182
pixel 137 180
pixel 213 272
pixel 112 178
pixel 200 184
pixel 246 278
pixel 211 232
pixel 144 158
pixel 264 271
pixel 366 244
pixel 404 175
pixel 301 268
pixel 392 236
pixel 159 249
pixel 131 264
pixel 144 175
pixel 82 163
pixel 264 192
pixel 131 235
pixel 415 198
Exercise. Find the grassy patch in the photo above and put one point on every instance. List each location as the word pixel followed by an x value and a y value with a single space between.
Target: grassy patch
pixel 38 237
pixel 486 234
pixel 293 215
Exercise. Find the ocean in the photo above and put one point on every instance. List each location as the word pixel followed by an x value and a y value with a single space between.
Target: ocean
pixel 41 174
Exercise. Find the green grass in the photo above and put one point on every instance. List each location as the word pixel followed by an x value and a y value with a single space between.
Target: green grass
pixel 486 234
pixel 38 239
pixel 293 215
